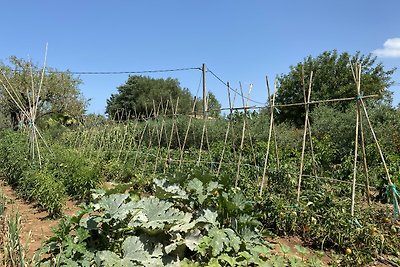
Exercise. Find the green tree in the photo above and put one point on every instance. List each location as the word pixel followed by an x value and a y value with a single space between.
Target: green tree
pixel 332 78
pixel 141 96
pixel 59 95
pixel 213 106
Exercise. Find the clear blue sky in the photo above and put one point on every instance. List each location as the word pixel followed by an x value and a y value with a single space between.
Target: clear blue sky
pixel 238 40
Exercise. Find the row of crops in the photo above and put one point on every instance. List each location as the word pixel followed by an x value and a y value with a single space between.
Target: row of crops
pixel 174 200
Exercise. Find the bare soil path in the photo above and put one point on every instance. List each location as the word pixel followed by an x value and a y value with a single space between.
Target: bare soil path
pixel 36 224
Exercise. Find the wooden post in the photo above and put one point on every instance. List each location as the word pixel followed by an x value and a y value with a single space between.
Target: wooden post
pixel 204 70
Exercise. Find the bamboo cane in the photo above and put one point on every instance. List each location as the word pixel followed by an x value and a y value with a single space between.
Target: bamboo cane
pixel 243 134
pixel 168 158
pixel 226 135
pixel 269 138
pixel 304 138
pixel 187 133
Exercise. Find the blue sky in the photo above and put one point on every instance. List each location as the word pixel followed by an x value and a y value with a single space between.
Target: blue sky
pixel 240 41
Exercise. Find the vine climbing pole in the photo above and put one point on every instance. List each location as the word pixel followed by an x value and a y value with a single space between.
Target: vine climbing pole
pixel 306 123
pixel 245 107
pixel 29 114
pixel 182 150
pixel 391 189
pixel 271 126
pixel 227 130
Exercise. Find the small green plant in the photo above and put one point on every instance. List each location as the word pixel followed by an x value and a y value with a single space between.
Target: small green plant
pixel 2 218
pixel 3 201
pixel 14 251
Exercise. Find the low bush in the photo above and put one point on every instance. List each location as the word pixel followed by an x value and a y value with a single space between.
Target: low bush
pixel 41 187
pixel 78 173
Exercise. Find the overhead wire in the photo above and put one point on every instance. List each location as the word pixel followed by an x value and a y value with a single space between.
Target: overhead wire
pixel 234 90
pixel 118 72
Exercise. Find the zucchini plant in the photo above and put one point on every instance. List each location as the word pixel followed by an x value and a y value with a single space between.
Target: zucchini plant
pixel 187 222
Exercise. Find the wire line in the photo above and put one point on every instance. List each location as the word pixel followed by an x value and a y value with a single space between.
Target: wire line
pixel 234 90
pixel 118 72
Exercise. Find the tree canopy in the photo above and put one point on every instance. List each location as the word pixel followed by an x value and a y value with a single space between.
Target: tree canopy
pixel 143 96
pixel 332 78
pixel 59 94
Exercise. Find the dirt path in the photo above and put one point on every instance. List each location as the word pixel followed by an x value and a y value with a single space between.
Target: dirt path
pixel 36 226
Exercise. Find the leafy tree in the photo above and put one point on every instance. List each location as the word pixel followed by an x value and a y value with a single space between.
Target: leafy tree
pixel 332 78
pixel 141 96
pixel 213 106
pixel 59 96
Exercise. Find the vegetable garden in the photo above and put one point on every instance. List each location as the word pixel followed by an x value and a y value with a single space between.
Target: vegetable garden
pixel 185 191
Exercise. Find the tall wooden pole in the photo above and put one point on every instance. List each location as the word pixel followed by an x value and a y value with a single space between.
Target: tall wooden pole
pixel 204 70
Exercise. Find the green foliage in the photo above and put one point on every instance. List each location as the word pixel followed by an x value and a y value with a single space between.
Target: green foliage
pixel 14 158
pixel 143 97
pixel 31 183
pixel 13 250
pixel 332 79
pixel 41 188
pixel 69 166
pixel 324 222
pixel 213 106
pixel 59 93
pixel 63 171
pixel 177 227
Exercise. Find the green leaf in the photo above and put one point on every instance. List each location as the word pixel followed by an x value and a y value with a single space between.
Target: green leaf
pixel 208 216
pixel 156 214
pixel 110 259
pixel 213 186
pixel 196 186
pixel 192 239
pixel 219 239
pixel 296 262
pixel 231 260
pixel 133 249
pixel 234 240
pixel 90 223
pixel 285 249
pixel 81 235
pixel 114 206
pixel 165 190
pixel 184 225
pixel 263 251
pixel 278 261
pixel 302 250
pixel 245 255
pixel 213 263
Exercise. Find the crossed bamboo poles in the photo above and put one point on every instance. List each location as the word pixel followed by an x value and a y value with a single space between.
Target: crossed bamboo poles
pixel 33 96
